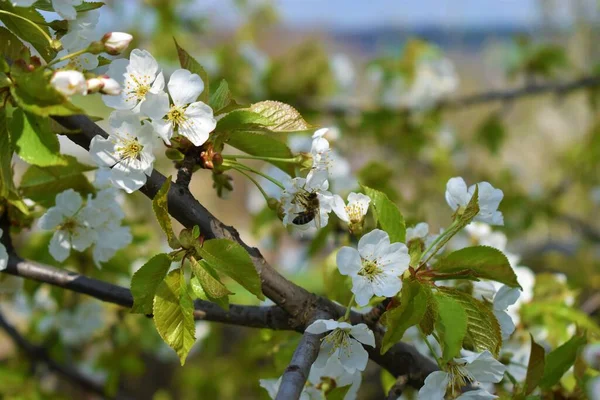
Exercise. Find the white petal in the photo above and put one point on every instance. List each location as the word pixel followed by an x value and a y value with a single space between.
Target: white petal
pixel 164 129
pixel 485 368
pixel 159 83
pixel 507 326
pixel 362 289
pixel 363 334
pixel 199 123
pixel 506 297
pixel 348 261
pixel 368 244
pixel 354 358
pixel 320 326
pixel 387 285
pixel 435 386
pixel 83 238
pixel 320 133
pixel 130 182
pixel 271 386
pixel 65 9
pixel 69 202
pixel 141 62
pixel 394 258
pixel 60 246
pixel 185 87
pixel 156 105
pixel 3 257
pixel 51 219
pixel 362 199
pixel 103 152
pixel 456 193
pixel 478 394
pixel 339 208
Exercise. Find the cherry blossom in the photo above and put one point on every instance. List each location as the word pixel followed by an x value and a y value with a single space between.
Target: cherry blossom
pixel 489 198
pixel 69 82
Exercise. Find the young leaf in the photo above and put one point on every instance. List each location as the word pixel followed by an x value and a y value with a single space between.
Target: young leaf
pixel 189 63
pixel 338 393
pixel 483 330
pixel 242 120
pixel 413 305
pixel 387 214
pixel 231 259
pixel 42 184
pixel 33 141
pixel 483 261
pixel 11 47
pixel 6 153
pixel 431 313
pixel 559 360
pixel 161 210
pixel 282 117
pixel 221 100
pixel 174 314
pixel 451 325
pixel 208 278
pixel 199 292
pixel 535 369
pixel 260 144
pixel 145 281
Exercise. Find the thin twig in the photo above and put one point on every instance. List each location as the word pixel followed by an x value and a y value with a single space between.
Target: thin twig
pixel 38 354
pixel 372 317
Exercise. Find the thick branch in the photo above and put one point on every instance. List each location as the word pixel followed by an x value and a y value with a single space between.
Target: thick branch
pixel 39 355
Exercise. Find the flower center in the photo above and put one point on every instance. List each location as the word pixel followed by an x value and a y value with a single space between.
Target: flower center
pixel 339 338
pixel 355 211
pixel 130 148
pixel 176 116
pixel 459 376
pixel 137 86
pixel 68 225
pixel 370 269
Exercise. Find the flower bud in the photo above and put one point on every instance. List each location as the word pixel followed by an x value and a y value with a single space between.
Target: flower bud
pixel 111 87
pixel 94 85
pixel 69 82
pixel 116 42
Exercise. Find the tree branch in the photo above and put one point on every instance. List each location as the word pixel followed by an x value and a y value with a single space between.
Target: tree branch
pixel 38 354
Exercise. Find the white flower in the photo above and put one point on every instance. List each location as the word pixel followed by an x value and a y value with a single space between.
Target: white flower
pixel 376 267
pixel 76 326
pixel 355 211
pixel 192 119
pixel 3 254
pixel 489 198
pixel 116 42
pixel 69 82
pixel 23 3
pixel 421 232
pixel 320 151
pixel 81 31
pixel 476 367
pixel 66 8
pixel 127 150
pixel 72 222
pixel 343 343
pixel 478 394
pixel 591 355
pixel 593 388
pixel 505 297
pixel 335 371
pixel 138 76
pixel 272 387
pixel 306 202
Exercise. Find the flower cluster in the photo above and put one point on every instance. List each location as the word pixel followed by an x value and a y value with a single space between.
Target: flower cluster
pixel 79 226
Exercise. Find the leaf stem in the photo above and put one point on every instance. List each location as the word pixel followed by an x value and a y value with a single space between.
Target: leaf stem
pixel 430 347
pixel 435 242
pixel 256 183
pixel 68 56
pixel 294 160
pixel 36 26
pixel 237 166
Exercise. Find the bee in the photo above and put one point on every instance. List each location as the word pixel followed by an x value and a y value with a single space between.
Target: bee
pixel 310 202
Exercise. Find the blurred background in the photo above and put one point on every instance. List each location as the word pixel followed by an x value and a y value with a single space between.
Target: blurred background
pixel 413 93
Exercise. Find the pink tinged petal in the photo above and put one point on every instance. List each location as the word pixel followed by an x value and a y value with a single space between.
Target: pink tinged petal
pixel 60 246
pixel 185 87
pixel 141 62
pixel 435 386
pixel 354 357
pixel 386 285
pixel 507 326
pixel 199 123
pixel 51 219
pixel 69 202
pixel 130 182
pixel 348 261
pixel 368 244
pixel 103 152
pixel 362 289
pixel 363 334
pixel 456 193
pixel 339 208
pixel 320 326
pixel 156 105
pixel 506 297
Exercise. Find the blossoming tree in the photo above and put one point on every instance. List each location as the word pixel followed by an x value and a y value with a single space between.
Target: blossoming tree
pixel 454 302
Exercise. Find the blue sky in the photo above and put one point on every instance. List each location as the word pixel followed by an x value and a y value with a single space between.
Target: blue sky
pixel 355 14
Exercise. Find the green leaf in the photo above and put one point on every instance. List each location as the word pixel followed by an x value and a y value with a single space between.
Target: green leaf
pixel 259 144
pixel 387 214
pixel 221 100
pixel 199 292
pixel 231 259
pixel 282 117
pixel 161 210
pixel 412 308
pixel 11 47
pixel 6 151
pixel 535 369
pixel 242 120
pixel 483 329
pixel 33 140
pixel 42 184
pixel 559 360
pixel 189 63
pixel 208 278
pixel 431 313
pixel 451 325
pixel 482 261
pixel 145 282
pixel 338 393
pixel 174 314
pixel 39 36
pixel 32 91
pixel 561 312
